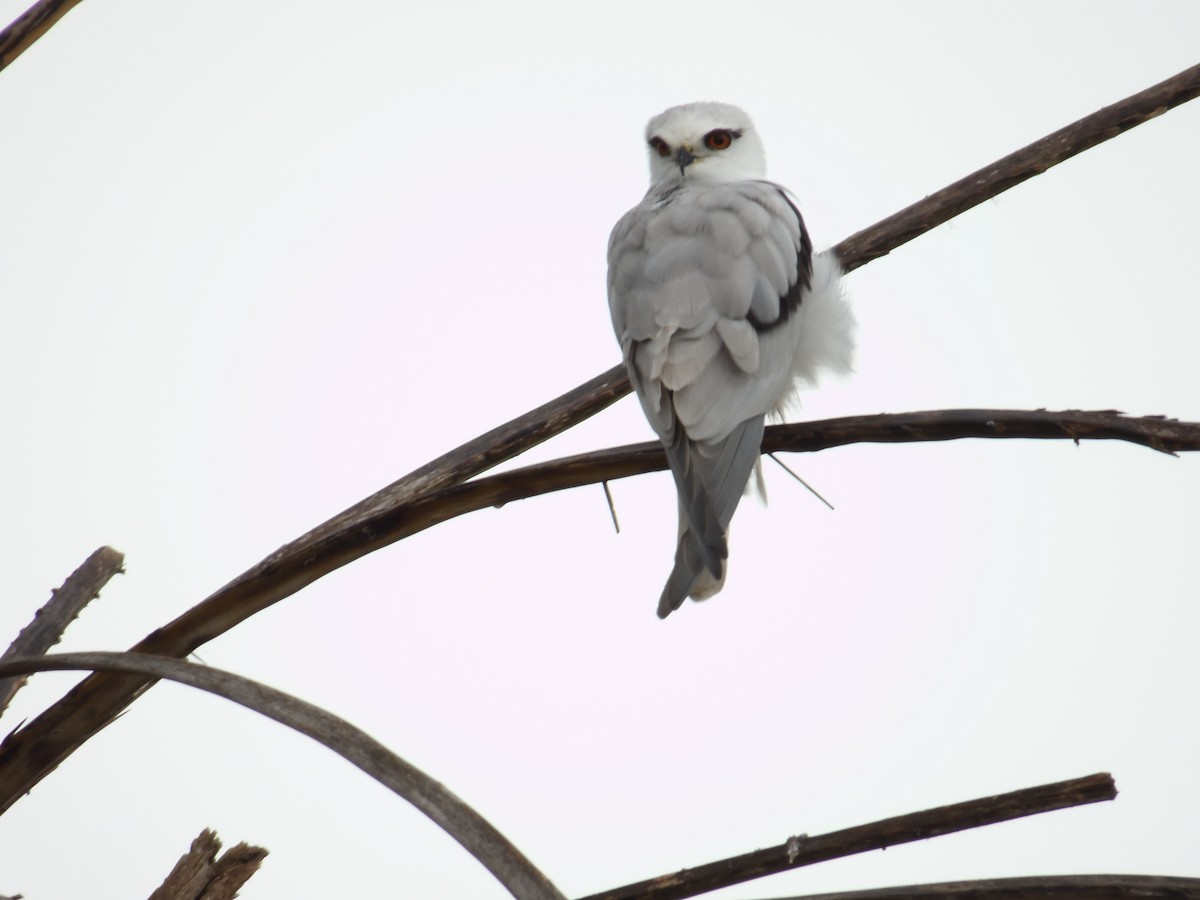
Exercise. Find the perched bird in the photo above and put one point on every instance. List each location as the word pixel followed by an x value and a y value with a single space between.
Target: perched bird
pixel 722 311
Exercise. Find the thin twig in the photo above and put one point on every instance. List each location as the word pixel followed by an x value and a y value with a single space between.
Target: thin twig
pixel 29 754
pixel 805 851
pixel 1042 887
pixel 612 507
pixel 812 490
pixel 81 587
pixel 477 836
pixel 29 26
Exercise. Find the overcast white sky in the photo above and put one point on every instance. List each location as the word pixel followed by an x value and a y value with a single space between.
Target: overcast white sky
pixel 259 259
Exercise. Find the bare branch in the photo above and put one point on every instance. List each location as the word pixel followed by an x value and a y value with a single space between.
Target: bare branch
pixel 1157 432
pixel 29 754
pixel 31 25
pixel 199 875
pixel 477 836
pixel 81 587
pixel 804 851
pixel 900 228
pixel 1042 887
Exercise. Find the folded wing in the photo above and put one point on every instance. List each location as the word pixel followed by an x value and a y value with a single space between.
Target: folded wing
pixel 705 288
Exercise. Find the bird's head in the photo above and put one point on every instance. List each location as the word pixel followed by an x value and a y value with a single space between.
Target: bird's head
pixel 709 142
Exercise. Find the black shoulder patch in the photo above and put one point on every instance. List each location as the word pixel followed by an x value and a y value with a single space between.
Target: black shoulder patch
pixel 790 301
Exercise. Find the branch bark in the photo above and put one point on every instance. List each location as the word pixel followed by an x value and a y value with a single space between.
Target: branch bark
pixel 477 836
pixel 900 228
pixel 81 587
pixel 804 850
pixel 30 754
pixel 1156 432
pixel 31 25
pixel 1044 887
pixel 199 875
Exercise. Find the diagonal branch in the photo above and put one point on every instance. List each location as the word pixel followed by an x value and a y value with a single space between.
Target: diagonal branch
pixel 475 833
pixel 804 850
pixel 900 228
pixel 31 25
pixel 81 588
pixel 34 751
pixel 1043 887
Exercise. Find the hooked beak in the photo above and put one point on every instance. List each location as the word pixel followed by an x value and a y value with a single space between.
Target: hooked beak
pixel 683 159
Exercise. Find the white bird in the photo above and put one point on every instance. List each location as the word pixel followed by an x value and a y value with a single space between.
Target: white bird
pixel 722 312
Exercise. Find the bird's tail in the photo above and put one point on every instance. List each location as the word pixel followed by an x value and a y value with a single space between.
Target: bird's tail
pixel 689 577
pixel 711 479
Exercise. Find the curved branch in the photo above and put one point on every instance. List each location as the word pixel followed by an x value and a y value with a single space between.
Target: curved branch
pixel 29 754
pixel 1042 887
pixel 477 836
pixel 918 826
pixel 31 25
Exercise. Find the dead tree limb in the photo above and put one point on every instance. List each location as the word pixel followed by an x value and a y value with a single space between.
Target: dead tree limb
pixel 1159 433
pixel 804 850
pixel 393 524
pixel 900 228
pixel 1168 436
pixel 477 836
pixel 81 587
pixel 1043 887
pixel 200 875
pixel 31 753
pixel 31 25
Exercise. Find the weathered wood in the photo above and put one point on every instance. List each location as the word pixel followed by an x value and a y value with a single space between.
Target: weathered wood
pixel 955 199
pixel 200 875
pixel 31 753
pixel 1043 887
pixel 81 587
pixel 31 25
pixel 804 850
pixel 1156 432
pixel 475 833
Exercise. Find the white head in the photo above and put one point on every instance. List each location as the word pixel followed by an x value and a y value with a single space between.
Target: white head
pixel 708 142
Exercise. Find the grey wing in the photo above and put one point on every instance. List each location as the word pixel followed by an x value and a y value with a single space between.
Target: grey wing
pixel 702 290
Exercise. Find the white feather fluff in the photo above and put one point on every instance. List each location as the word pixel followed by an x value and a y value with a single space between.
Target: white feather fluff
pixel 826 343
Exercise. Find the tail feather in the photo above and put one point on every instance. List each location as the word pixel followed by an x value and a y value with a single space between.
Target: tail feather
pixel 689 574
pixel 696 513
pixel 711 479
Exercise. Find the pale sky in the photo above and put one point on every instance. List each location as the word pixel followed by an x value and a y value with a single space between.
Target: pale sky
pixel 258 260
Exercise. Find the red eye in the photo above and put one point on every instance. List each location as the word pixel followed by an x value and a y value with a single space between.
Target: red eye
pixel 718 140
pixel 659 146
